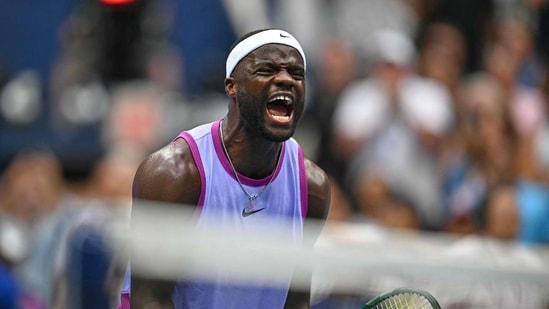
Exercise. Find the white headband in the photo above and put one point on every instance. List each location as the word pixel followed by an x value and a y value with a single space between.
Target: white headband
pixel 251 43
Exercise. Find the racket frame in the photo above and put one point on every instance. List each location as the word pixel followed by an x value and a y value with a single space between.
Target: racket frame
pixel 401 291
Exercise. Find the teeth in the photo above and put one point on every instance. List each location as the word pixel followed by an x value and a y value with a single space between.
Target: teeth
pixel 287 100
pixel 280 118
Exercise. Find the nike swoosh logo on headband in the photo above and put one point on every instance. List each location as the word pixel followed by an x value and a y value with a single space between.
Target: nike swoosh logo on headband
pixel 284 36
pixel 245 213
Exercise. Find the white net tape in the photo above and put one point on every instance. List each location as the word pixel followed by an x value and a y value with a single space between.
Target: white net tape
pixel 348 258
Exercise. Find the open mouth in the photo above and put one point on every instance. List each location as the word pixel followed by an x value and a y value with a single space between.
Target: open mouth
pixel 280 108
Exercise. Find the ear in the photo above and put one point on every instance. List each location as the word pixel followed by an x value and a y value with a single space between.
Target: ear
pixel 230 87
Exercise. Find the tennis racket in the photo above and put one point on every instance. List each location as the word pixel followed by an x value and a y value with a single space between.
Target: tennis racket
pixel 403 298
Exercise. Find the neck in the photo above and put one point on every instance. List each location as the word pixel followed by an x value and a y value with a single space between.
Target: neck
pixel 254 157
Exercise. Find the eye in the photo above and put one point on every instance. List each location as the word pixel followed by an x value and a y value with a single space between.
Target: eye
pixel 265 70
pixel 297 73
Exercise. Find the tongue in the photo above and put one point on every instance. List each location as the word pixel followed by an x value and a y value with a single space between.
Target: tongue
pixel 277 110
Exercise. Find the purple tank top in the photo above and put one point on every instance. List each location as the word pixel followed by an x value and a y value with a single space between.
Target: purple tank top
pixel 221 204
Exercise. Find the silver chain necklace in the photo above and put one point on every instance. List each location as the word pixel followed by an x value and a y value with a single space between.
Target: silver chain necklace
pixel 250 205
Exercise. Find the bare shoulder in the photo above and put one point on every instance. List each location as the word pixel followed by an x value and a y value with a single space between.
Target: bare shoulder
pixel 319 191
pixel 168 175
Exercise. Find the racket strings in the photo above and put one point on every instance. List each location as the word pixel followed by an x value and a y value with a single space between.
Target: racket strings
pixel 405 301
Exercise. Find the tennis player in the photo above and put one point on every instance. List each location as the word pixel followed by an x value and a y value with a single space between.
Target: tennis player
pixel 240 169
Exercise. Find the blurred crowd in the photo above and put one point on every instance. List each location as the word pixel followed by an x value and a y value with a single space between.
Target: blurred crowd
pixel 428 115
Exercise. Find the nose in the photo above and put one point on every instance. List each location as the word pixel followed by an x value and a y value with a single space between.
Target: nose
pixel 284 78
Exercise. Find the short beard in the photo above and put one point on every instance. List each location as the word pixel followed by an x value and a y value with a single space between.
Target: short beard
pixel 253 115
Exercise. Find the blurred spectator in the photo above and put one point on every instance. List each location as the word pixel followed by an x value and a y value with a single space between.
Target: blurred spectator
pixel 541 139
pixel 32 192
pixel 335 70
pixel 54 268
pixel 391 124
pixel 516 212
pixel 442 54
pixel 12 251
pixel 139 118
pixel 31 187
pixel 474 19
pixel 512 60
pixel 515 62
pixel 517 36
pixel 529 117
pixel 442 57
pixel 111 178
pixel 88 272
pixel 367 104
pixel 517 65
pixel 379 203
pixel 533 201
pixel 488 143
pixel 72 263
pixel 499 215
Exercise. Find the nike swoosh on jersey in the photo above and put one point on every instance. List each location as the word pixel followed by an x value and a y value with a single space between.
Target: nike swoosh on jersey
pixel 245 213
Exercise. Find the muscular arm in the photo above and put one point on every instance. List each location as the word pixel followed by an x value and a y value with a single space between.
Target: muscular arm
pixel 318 206
pixel 319 192
pixel 171 176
